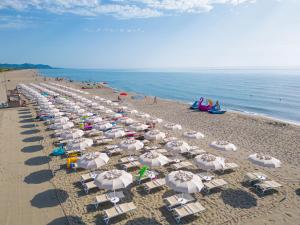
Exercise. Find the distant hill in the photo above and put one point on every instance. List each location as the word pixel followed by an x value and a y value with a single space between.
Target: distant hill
pixel 25 66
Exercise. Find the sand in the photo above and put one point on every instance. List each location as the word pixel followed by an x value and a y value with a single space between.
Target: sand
pixel 236 205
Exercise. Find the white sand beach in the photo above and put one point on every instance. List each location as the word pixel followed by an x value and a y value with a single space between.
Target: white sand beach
pixel 33 196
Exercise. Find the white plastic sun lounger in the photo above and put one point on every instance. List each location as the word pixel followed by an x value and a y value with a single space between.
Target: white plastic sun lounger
pixel 88 177
pixel 118 210
pixel 178 199
pixel 216 183
pixel 154 184
pixel 267 186
pixel 229 166
pixel 181 165
pixel 189 209
pixel 89 186
pixel 100 199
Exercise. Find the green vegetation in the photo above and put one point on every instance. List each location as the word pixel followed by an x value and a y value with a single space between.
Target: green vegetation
pixel 5 69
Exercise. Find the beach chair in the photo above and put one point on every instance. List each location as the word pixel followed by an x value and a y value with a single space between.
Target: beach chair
pixel 267 185
pixel 73 153
pixel 193 153
pixel 154 184
pixel 229 167
pixel 89 186
pixel 189 209
pixel 93 133
pixel 127 159
pixel 100 199
pixel 131 165
pixel 115 151
pixel 254 178
pixel 161 150
pixel 216 183
pixel 182 165
pixel 110 147
pixel 102 141
pixel 206 176
pixel 178 199
pixel 148 175
pixel 88 177
pixel 118 210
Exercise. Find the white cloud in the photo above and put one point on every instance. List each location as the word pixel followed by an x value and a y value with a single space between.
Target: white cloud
pixel 123 9
pixel 15 22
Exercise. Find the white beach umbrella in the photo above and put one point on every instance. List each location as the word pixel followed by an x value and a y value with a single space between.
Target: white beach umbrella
pixel 172 126
pixel 154 135
pixel 115 133
pixel 93 160
pixel 80 144
pixel 223 145
pixel 138 126
pixel 59 126
pixel 131 145
pixel 113 180
pixel 264 160
pixel 184 182
pixel 60 120
pixel 177 146
pixel 154 120
pixel 193 135
pixel 153 159
pixel 72 134
pixel 103 125
pixel 209 162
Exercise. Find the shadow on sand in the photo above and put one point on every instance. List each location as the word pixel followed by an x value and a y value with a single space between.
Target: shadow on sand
pixel 48 198
pixel 297 191
pixel 26 120
pixel 238 198
pixel 33 139
pixel 38 177
pixel 32 148
pixel 37 161
pixel 25 116
pixel 24 112
pixel 28 125
pixel 33 131
pixel 63 221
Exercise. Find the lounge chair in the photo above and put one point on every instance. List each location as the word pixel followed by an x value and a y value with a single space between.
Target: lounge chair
pixel 267 186
pixel 189 209
pixel 131 165
pixel 99 199
pixel 115 151
pixel 103 141
pixel 156 183
pixel 216 183
pixel 174 200
pixel 89 186
pixel 118 210
pixel 88 177
pixel 127 159
pixel 148 175
pixel 93 133
pixel 73 153
pixel 193 153
pixel 206 176
pixel 182 165
pixel 254 178
pixel 229 166
pixel 109 147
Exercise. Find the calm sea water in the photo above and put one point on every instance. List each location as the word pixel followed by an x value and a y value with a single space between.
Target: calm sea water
pixel 274 93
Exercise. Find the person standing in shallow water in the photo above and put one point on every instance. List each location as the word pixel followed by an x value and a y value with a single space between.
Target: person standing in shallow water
pixel 155 100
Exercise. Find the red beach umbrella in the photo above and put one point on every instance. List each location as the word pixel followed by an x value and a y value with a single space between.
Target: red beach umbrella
pixel 123 94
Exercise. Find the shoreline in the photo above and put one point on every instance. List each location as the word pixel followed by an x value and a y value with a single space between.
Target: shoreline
pixel 247 113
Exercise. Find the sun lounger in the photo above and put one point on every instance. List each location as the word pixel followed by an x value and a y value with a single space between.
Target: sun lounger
pixel 103 141
pixel 195 152
pixel 216 183
pixel 161 150
pixel 118 210
pixel 72 153
pixel 148 175
pixel 89 186
pixel 99 199
pixel 131 165
pixel 206 176
pixel 267 186
pixel 178 199
pixel 93 133
pixel 189 209
pixel 109 147
pixel 115 151
pixel 182 165
pixel 177 159
pixel 156 183
pixel 253 178
pixel 88 177
pixel 229 166
pixel 127 159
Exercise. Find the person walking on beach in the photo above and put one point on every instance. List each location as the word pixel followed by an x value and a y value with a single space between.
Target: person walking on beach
pixel 155 100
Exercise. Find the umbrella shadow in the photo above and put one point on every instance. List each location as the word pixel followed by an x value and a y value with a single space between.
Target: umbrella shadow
pixel 32 148
pixel 27 120
pixel 33 131
pixel 65 221
pixel 237 198
pixel 33 139
pixel 24 110
pixel 297 191
pixel 37 161
pixel 39 177
pixel 28 125
pixel 49 198
pixel 25 116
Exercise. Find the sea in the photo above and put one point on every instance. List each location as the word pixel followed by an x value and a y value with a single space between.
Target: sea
pixel 272 93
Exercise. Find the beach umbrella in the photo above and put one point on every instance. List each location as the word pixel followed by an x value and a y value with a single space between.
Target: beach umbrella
pixel 113 180
pixel 131 145
pixel 193 135
pixel 76 133
pixel 123 94
pixel 153 159
pixel 172 126
pixel 103 125
pixel 264 160
pixel 60 120
pixel 115 133
pixel 92 161
pixel 154 120
pixel 184 182
pixel 79 144
pixel 223 145
pixel 138 126
pixel 60 126
pixel 142 115
pixel 154 135
pixel 209 162
pixel 177 146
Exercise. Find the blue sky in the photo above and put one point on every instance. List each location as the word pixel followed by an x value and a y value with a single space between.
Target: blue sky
pixel 150 33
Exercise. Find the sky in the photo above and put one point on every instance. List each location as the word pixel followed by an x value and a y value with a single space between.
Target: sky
pixel 151 33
